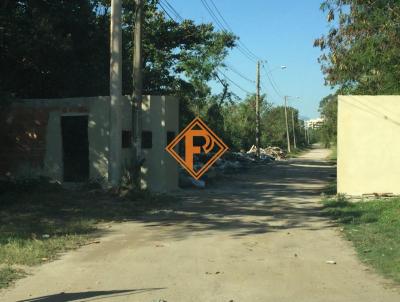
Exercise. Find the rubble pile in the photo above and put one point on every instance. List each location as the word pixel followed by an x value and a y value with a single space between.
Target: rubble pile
pixel 229 163
pixel 274 152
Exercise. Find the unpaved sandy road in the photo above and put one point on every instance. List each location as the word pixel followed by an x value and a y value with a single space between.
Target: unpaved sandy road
pixel 257 237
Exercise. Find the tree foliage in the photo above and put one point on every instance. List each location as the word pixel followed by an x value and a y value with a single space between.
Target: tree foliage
pixel 360 52
pixel 61 49
pixel 53 49
pixel 240 122
pixel 328 109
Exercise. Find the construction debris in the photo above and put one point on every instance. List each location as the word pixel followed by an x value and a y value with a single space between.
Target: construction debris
pixel 274 152
pixel 229 163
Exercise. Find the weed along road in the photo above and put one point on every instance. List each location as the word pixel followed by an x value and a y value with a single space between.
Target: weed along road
pixel 257 236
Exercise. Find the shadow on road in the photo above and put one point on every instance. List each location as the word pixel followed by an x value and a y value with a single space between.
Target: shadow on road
pixel 88 296
pixel 263 199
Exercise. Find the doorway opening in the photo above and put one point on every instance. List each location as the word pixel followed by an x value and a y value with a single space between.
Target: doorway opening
pixel 75 144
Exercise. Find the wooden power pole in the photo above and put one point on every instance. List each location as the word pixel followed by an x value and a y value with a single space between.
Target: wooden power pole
pixel 137 95
pixel 115 136
pixel 287 126
pixel 258 110
pixel 294 131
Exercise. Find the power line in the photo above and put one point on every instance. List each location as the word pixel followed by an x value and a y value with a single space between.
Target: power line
pixel 174 11
pixel 223 28
pixel 239 73
pixel 165 11
pixel 272 82
pixel 234 83
pixel 243 47
pixel 177 15
pixel 230 28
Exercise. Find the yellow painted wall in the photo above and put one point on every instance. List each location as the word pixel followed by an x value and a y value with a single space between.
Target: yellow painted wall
pixel 368 144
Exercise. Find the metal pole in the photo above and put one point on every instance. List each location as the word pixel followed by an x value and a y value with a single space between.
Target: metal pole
pixel 287 126
pixel 115 137
pixel 258 110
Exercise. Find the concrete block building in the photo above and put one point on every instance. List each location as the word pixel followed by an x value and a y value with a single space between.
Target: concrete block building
pixel 67 140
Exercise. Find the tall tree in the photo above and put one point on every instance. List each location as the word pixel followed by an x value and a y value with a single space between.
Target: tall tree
pixel 328 109
pixel 274 126
pixel 61 49
pixel 240 122
pixel 360 52
pixel 53 49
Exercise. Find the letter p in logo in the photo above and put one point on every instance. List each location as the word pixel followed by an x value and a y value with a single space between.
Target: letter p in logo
pixel 212 142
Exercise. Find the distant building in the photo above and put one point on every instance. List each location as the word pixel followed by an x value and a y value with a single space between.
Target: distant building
pixel 314 123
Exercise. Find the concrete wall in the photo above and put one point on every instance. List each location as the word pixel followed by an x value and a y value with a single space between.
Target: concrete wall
pixel 368 144
pixel 97 110
pixel 160 170
pixel 22 141
pixel 127 154
pixel 36 124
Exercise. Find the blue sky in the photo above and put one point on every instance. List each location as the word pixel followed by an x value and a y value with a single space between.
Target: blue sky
pixel 279 31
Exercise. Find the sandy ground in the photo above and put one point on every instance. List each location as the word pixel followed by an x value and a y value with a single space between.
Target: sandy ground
pixel 256 237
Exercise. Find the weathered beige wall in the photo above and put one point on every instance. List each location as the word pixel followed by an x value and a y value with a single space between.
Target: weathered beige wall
pixel 368 144
pixel 160 170
pixel 97 110
pixel 127 154
pixel 160 114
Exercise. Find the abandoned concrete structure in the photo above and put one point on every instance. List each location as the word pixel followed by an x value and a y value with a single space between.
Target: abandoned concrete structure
pixel 67 140
pixel 368 145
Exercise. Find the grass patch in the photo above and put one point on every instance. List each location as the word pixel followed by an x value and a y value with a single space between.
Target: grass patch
pixel 374 228
pixel 8 275
pixel 38 224
pixel 331 188
pixel 333 155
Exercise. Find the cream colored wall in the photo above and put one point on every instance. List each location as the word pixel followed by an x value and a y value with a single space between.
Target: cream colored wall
pixel 98 131
pixel 127 154
pixel 98 134
pixel 160 114
pixel 53 162
pixel 368 144
pixel 160 170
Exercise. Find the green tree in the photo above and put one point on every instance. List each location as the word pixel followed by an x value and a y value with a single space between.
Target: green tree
pixel 61 49
pixel 328 109
pixel 240 122
pixel 360 52
pixel 53 49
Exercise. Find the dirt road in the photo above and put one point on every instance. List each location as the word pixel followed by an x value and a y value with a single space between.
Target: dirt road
pixel 256 237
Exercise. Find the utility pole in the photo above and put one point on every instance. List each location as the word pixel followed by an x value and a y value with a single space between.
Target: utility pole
pixel 137 95
pixel 305 132
pixel 258 110
pixel 115 137
pixel 294 131
pixel 287 125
